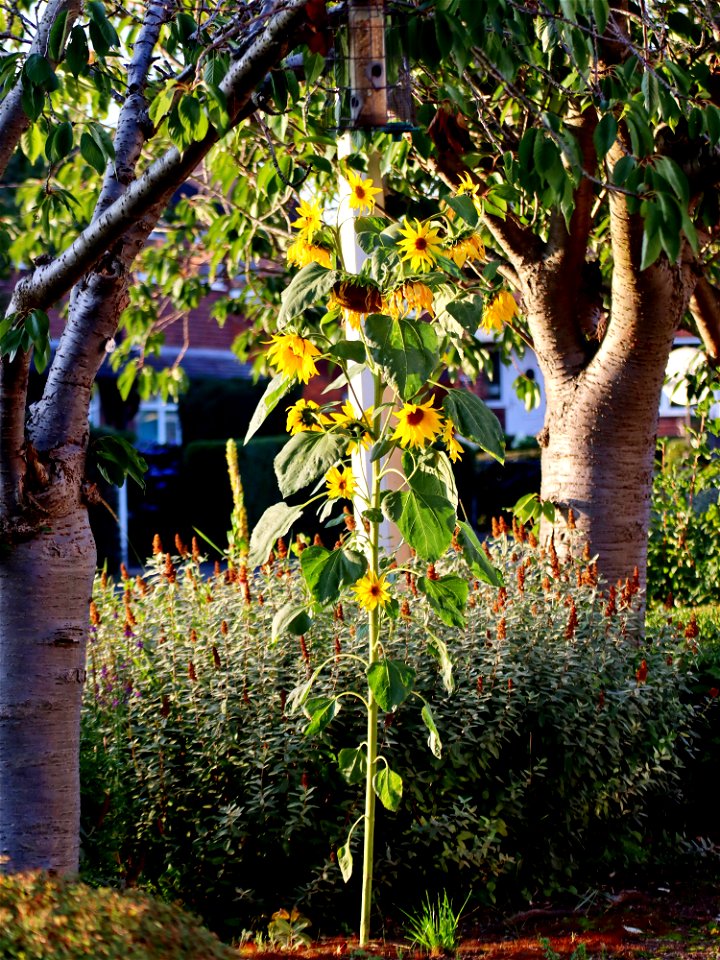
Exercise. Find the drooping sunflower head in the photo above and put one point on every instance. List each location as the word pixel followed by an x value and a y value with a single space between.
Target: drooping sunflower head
pixel 499 311
pixel 340 483
pixel 303 416
pixel 417 424
pixel 420 245
pixel 362 192
pixel 300 253
pixel 309 219
pixel 453 447
pixel 371 591
pixel 293 356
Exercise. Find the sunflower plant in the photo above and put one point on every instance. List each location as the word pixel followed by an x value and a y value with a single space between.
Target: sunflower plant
pixel 417 303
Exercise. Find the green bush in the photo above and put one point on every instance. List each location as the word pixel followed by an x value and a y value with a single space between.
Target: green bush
pixel 684 543
pixel 559 734
pixel 47 918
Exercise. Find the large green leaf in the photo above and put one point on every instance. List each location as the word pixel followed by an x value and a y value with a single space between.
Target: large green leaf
pixel 305 457
pixel 430 471
pixel 405 349
pixel 292 619
pixel 274 392
pixel 327 571
pixel 308 288
pixel 274 523
pixel 353 763
pixel 425 519
pixel 388 786
pixel 448 597
pixel 467 312
pixel 476 558
pixel 320 711
pixel 475 421
pixel 391 682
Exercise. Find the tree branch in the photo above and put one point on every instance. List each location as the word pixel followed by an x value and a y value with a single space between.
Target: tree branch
pixel 13 120
pixel 96 303
pixel 147 196
pixel 13 391
pixel 705 310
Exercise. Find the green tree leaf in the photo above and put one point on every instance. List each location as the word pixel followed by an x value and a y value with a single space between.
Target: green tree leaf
pixel 352 762
pixel 306 457
pixel 77 54
pixel 405 349
pixel 447 596
pixel 388 786
pixel 92 153
pixel 292 619
pixel 326 572
pixel 274 523
pixel 605 135
pixel 391 682
pixel 475 421
pixel 118 459
pixel 475 556
pixel 425 519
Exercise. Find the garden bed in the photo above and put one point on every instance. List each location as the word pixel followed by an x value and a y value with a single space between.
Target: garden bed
pixel 682 923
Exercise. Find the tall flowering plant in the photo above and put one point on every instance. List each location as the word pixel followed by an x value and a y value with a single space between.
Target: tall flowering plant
pixel 415 305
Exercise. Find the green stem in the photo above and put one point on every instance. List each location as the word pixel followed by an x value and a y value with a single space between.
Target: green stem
pixel 372 706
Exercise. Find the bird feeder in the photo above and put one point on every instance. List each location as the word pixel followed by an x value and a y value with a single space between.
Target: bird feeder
pixel 368 46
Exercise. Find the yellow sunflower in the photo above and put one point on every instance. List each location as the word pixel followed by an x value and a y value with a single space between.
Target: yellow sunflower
pixel 309 219
pixel 340 483
pixel 348 418
pixel 303 416
pixel 301 253
pixel 468 186
pixel 454 449
pixel 499 311
pixel 362 192
pixel 371 591
pixel 420 245
pixel 410 296
pixel 293 356
pixel 418 424
pixel 471 248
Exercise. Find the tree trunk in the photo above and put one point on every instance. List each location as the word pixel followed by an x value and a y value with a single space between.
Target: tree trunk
pixel 598 449
pixel 45 585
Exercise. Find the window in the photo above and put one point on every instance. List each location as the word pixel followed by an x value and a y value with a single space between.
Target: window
pixel 158 422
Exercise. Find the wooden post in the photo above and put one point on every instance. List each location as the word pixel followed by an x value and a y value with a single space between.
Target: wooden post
pixel 368 82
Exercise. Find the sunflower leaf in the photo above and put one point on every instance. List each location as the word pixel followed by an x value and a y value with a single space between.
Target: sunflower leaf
pixel 307 288
pixel 405 349
pixel 305 457
pixel 327 571
pixel 425 519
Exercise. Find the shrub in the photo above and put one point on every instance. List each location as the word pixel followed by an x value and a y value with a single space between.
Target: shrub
pixel 48 918
pixel 684 546
pixel 559 733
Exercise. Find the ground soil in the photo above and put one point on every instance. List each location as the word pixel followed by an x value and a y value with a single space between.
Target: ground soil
pixel 663 923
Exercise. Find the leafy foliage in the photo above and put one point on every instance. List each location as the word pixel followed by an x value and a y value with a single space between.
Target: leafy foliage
pixel 201 781
pixel 49 918
pixel 683 548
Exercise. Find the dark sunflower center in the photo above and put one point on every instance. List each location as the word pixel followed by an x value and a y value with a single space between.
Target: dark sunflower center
pixel 421 243
pixel 416 417
pixel 375 590
pixel 360 192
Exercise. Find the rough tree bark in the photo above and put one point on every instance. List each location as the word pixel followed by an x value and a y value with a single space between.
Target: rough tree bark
pixel 47 554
